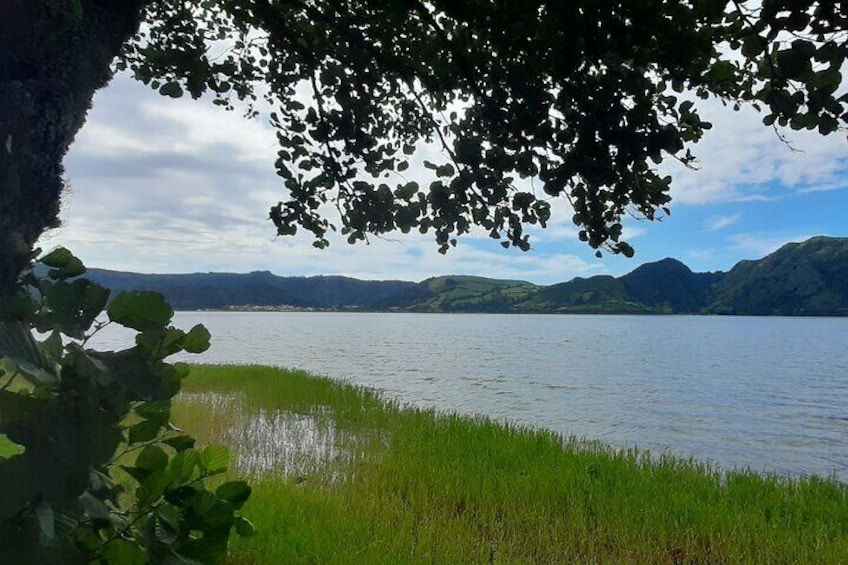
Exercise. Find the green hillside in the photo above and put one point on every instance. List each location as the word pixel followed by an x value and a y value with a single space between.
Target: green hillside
pixel 670 286
pixel 470 294
pixel 809 278
pixel 599 294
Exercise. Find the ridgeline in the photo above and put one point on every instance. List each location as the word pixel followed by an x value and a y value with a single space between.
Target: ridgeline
pixel 799 279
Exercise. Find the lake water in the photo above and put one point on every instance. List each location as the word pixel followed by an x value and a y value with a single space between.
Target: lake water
pixel 766 393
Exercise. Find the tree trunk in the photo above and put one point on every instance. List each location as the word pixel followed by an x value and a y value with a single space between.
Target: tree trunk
pixel 54 54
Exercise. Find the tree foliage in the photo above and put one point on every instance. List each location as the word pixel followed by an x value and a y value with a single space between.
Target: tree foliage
pixel 526 101
pixel 91 467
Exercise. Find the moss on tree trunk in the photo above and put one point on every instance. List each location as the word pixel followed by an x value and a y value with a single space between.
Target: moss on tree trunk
pixel 54 55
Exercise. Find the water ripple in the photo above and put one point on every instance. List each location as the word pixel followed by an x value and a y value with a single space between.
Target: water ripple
pixel 766 393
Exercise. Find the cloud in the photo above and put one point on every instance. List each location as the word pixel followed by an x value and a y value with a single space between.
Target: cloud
pixel 631 232
pixel 720 222
pixel 181 246
pixel 162 185
pixel 700 254
pixel 741 160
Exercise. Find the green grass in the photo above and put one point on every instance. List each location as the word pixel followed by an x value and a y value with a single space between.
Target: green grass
pixel 393 485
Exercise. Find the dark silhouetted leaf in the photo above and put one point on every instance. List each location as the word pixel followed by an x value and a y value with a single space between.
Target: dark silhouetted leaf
pixel 140 310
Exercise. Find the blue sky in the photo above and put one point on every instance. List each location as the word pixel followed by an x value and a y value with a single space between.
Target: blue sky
pixel 174 186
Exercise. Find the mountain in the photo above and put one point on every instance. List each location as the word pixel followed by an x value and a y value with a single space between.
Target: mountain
pixel 809 278
pixel 669 285
pixel 261 288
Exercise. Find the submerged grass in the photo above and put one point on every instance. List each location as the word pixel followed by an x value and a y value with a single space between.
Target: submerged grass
pixel 343 476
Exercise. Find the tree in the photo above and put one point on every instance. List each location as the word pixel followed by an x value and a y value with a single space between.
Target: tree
pixel 586 97
pixel 583 98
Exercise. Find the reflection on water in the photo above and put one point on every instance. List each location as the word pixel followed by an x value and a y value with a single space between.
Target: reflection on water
pixel 264 441
pixel 766 393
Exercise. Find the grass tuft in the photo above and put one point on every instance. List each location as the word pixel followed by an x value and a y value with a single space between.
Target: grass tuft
pixel 342 475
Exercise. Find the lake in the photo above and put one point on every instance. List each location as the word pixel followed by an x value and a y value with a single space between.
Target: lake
pixel 770 394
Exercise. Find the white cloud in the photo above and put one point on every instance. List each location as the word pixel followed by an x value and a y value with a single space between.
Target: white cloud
pixel 177 186
pixel 700 254
pixel 741 160
pixel 105 140
pixel 631 232
pixel 181 246
pixel 720 222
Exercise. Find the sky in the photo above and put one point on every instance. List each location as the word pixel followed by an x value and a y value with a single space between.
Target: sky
pixel 159 185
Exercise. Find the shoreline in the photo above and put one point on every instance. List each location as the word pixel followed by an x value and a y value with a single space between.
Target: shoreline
pixel 410 485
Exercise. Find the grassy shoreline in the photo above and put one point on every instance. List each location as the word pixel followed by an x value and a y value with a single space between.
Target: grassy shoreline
pixel 343 476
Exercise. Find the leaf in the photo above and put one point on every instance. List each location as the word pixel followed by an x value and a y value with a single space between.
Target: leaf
pixel 46 524
pixel 236 492
pixel 180 370
pixel 752 46
pixel 180 443
pixel 445 170
pixel 203 502
pixel 20 350
pixel 406 191
pixel 100 481
pixel 181 495
pixel 152 488
pixel 140 310
pixel 75 305
pixel 65 264
pixel 792 63
pixel 215 458
pixel 52 346
pixel 827 80
pixel 184 464
pixel 152 458
pixel 721 72
pixel 137 473
pixel 169 377
pixel 164 532
pixel 66 522
pixel 94 507
pixel 158 410
pixel 130 369
pixel 214 514
pixel 171 89
pixel 244 527
pixel 123 552
pixel 145 430
pixel 20 410
pixel 161 342
pixel 9 448
pixel 197 339
pixel 170 515
pixel 625 249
